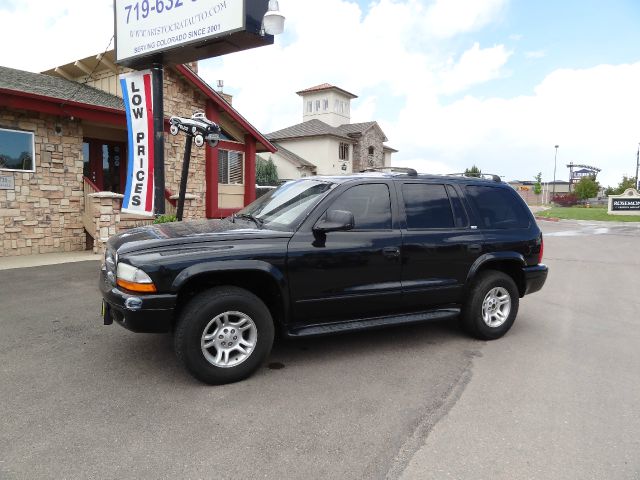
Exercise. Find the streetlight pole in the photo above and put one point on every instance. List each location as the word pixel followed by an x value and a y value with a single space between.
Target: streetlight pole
pixel 637 166
pixel 555 162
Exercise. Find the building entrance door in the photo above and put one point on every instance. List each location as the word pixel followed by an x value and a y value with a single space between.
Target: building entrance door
pixel 105 164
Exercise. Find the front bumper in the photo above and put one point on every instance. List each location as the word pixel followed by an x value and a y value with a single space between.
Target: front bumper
pixel 152 314
pixel 535 277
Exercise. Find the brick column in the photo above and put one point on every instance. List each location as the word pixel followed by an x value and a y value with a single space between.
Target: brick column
pixel 250 169
pixel 211 167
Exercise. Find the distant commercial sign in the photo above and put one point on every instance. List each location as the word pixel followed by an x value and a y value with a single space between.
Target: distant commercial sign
pixel 626 204
pixel 623 204
pixel 180 31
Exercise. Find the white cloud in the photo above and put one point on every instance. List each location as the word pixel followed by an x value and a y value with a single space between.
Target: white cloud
pixel 446 18
pixel 41 34
pixel 591 113
pixel 475 66
pixel 535 54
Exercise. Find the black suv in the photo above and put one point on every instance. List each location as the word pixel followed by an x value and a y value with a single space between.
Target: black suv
pixel 324 255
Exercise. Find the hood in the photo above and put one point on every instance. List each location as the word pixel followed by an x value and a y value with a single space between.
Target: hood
pixel 192 232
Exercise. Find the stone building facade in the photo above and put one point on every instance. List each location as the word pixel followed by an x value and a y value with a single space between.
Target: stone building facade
pixel 61 204
pixel 42 213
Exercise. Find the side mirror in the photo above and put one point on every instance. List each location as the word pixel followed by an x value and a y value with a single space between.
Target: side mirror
pixel 335 221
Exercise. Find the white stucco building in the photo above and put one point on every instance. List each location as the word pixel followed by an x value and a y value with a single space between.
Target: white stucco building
pixel 326 142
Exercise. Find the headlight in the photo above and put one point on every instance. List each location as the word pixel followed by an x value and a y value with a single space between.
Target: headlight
pixel 134 279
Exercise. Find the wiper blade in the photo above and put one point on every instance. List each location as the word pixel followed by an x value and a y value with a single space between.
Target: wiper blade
pixel 258 221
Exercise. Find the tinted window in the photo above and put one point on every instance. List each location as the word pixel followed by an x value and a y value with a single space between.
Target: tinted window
pixel 369 204
pixel 427 206
pixel 498 207
pixel 16 150
pixel 459 215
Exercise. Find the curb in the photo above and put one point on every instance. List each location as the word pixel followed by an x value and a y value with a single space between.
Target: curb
pixel 548 219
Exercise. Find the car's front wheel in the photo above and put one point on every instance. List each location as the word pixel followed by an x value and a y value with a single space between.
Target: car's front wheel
pixel 223 335
pixel 492 305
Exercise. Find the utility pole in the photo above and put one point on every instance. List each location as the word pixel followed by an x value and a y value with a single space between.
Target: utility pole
pixel 555 162
pixel 637 167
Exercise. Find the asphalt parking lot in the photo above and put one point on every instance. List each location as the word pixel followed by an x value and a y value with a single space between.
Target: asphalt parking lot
pixel 558 397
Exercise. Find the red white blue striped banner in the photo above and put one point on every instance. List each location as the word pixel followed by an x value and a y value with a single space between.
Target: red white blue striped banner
pixel 136 92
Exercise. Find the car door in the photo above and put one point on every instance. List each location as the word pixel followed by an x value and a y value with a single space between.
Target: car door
pixel 344 275
pixel 438 244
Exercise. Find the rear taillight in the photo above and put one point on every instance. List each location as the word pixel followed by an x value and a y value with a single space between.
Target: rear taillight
pixel 541 249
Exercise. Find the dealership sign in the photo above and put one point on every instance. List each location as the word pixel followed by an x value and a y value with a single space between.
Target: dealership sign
pixel 180 31
pixel 626 204
pixel 136 92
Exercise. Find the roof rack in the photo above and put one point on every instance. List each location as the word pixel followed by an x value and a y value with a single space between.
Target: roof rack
pixel 409 171
pixel 487 176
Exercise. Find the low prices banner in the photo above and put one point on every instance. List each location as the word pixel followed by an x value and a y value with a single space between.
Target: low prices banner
pixel 136 92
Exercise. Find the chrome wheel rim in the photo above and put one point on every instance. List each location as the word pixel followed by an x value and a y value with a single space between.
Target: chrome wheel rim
pixel 496 307
pixel 229 339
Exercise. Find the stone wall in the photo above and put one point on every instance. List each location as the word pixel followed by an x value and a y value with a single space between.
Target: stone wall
pixel 361 159
pixel 43 213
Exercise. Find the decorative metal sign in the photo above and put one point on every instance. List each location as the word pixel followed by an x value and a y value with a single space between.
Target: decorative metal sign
pixel 7 182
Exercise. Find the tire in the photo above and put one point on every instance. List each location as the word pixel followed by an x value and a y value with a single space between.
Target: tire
pixel 491 320
pixel 224 316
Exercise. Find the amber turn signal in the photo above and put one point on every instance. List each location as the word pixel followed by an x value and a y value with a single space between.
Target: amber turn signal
pixel 137 287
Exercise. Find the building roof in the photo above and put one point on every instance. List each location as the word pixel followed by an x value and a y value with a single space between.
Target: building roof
pixel 326 86
pixel 297 160
pixel 56 87
pixel 317 128
pixel 310 128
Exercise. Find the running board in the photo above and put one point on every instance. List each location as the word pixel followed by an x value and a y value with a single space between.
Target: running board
pixel 376 322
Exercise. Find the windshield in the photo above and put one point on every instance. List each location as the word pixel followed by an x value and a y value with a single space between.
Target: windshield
pixel 283 208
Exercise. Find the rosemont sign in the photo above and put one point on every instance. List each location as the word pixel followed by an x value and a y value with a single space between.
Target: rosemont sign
pixel 180 31
pixel 626 204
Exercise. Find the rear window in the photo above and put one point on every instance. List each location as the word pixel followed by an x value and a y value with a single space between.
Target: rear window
pixel 427 206
pixel 498 207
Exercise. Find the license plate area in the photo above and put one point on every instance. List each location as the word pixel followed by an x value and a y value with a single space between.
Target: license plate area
pixel 106 313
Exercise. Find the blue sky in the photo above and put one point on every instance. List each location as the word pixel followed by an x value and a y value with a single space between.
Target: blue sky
pixel 452 82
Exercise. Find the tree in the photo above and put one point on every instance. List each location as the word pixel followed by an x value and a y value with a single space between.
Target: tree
pixel 587 187
pixel 473 172
pixel 537 187
pixel 266 172
pixel 627 182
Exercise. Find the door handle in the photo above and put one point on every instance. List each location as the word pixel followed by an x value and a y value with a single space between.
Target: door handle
pixel 391 252
pixel 474 248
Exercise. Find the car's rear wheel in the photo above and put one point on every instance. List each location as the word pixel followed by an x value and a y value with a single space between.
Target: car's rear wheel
pixel 492 305
pixel 223 335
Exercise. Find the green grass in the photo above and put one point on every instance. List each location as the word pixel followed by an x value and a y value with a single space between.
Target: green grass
pixel 581 213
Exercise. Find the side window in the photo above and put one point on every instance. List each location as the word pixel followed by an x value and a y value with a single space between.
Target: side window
pixel 370 205
pixel 459 214
pixel 427 206
pixel 498 207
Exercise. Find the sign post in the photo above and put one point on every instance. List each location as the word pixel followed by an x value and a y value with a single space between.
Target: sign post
pixel 152 33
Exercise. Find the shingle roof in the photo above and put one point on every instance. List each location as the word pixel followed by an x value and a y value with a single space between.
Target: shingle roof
pixel 310 128
pixel 55 87
pixel 315 128
pixel 326 86
pixel 351 128
pixel 292 157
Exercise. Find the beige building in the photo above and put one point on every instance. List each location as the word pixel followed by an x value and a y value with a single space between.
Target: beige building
pixel 326 142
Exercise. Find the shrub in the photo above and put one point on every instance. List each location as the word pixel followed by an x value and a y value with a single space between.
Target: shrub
pixel 165 219
pixel 565 199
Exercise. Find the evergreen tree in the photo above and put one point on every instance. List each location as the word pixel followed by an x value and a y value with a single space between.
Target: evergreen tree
pixel 473 172
pixel 266 172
